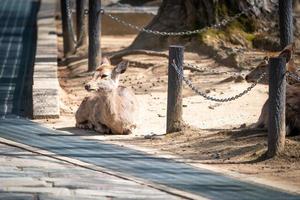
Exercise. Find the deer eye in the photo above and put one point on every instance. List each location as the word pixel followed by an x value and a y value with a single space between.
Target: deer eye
pixel 104 75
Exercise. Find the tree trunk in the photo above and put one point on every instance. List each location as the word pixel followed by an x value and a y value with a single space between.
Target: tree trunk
pixel 69 46
pixel 94 50
pixel 182 15
pixel 81 31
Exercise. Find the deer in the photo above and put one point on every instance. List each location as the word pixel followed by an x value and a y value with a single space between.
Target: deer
pixel 292 94
pixel 292 112
pixel 262 67
pixel 110 107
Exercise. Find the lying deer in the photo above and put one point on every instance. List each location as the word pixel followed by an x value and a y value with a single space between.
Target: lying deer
pixel 292 112
pixel 111 108
pixel 292 94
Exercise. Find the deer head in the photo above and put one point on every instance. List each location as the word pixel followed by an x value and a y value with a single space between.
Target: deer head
pixel 286 53
pixel 106 76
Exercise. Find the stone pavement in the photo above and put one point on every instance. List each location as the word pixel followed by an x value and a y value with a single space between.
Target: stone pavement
pixel 164 174
pixel 17 41
pixel 28 176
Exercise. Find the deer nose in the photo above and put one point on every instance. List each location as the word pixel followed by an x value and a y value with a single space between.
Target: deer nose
pixel 87 87
pixel 246 78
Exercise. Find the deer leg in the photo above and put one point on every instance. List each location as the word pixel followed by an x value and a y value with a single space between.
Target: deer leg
pixel 85 125
pixel 101 128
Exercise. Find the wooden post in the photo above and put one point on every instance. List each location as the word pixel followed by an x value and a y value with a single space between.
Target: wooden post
pixel 69 46
pixel 174 108
pixel 286 22
pixel 80 22
pixel 94 56
pixel 277 95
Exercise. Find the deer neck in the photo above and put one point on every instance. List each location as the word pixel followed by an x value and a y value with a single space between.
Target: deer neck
pixel 112 99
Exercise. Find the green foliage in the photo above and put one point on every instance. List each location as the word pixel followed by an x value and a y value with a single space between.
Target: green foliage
pixel 240 31
pixel 239 28
pixel 222 10
pixel 211 34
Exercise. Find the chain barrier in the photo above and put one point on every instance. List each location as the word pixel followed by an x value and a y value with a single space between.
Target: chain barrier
pixel 201 69
pixel 78 40
pixel 163 33
pixel 211 98
pixel 294 76
pixel 204 69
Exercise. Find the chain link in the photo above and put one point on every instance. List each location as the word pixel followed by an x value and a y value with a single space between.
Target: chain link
pixel 211 98
pixel 190 32
pixel 201 69
pixel 294 76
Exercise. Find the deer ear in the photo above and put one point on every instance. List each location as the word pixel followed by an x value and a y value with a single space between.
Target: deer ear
pixel 287 52
pixel 291 67
pixel 105 61
pixel 121 67
pixel 99 68
pixel 266 58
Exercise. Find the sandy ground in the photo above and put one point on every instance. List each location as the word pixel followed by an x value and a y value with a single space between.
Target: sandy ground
pixel 215 133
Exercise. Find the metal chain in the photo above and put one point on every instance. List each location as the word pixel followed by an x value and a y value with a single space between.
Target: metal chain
pixel 204 69
pixel 294 76
pixel 163 33
pixel 228 99
pixel 201 69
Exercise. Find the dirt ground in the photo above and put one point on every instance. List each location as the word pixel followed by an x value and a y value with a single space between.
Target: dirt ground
pixel 215 134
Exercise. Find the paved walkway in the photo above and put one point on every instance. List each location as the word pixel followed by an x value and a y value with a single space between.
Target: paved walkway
pixel 163 172
pixel 28 176
pixel 17 42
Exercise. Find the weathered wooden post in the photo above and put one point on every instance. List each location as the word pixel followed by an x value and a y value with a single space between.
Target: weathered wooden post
pixel 277 95
pixel 69 46
pixel 286 22
pixel 94 55
pixel 80 23
pixel 174 107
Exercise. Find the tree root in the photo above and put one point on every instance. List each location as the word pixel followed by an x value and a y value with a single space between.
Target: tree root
pixel 117 57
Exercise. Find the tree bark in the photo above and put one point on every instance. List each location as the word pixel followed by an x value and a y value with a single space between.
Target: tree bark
pixel 94 52
pixel 81 31
pixel 69 46
pixel 182 15
pixel 277 99
pixel 174 108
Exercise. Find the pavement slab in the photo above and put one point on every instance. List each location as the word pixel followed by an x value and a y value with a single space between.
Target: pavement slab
pixel 29 176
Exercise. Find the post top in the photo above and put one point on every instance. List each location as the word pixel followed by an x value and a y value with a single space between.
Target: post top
pixel 176 46
pixel 275 59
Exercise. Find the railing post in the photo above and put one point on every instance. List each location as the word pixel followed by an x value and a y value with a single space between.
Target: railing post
pixel 69 46
pixel 94 54
pixel 80 23
pixel 174 107
pixel 277 95
pixel 286 22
